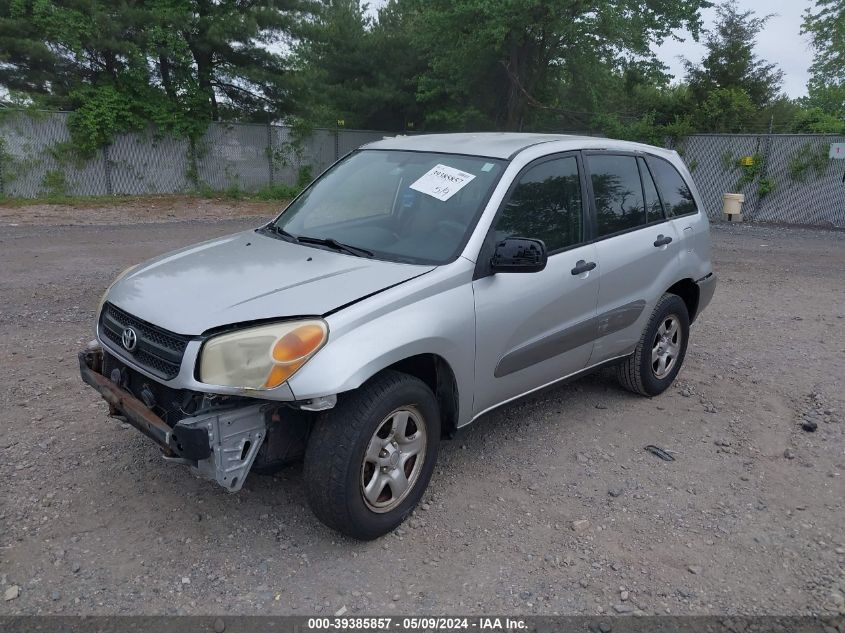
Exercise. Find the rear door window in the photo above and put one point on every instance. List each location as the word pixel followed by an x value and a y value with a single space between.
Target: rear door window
pixel 618 193
pixel 676 194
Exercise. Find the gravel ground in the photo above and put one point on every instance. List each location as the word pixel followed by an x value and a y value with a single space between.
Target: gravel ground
pixel 546 506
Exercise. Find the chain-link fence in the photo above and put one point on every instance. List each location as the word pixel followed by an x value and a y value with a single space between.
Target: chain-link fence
pixel 785 178
pixel 35 161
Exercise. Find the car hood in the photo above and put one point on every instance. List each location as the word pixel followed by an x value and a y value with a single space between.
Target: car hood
pixel 246 277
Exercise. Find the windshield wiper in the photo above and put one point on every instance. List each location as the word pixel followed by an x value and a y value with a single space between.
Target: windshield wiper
pixel 277 230
pixel 338 246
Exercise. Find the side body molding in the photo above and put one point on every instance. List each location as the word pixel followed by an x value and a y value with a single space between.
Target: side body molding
pixel 561 341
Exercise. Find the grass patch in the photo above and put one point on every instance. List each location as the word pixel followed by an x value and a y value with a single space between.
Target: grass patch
pixel 275 193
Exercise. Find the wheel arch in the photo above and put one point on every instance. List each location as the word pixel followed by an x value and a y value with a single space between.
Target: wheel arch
pixel 687 290
pixel 437 374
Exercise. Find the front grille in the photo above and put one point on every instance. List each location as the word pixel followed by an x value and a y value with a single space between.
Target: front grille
pixel 158 351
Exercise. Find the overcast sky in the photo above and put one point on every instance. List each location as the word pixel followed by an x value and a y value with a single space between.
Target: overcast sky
pixel 780 42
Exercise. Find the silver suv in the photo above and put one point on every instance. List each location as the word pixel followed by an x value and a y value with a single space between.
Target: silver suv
pixel 417 284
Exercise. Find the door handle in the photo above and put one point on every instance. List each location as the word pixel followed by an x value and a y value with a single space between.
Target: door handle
pixel 582 266
pixel 662 240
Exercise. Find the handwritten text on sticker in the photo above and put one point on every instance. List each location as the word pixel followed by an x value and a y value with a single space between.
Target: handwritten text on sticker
pixel 442 182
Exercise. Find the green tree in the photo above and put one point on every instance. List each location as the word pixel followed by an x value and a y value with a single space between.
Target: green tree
pixel 826 28
pixel 357 70
pixel 507 64
pixel 817 121
pixel 49 49
pixel 176 63
pixel 730 62
pixel 725 110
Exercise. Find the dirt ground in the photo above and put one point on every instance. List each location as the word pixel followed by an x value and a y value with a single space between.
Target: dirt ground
pixel 748 519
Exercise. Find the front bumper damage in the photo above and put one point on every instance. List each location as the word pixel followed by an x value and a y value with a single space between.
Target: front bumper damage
pixel 220 444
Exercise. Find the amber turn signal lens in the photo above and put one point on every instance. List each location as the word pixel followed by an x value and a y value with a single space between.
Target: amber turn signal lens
pixel 281 373
pixel 297 344
pixel 292 350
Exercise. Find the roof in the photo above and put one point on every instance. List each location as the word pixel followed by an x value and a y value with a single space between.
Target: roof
pixel 504 144
pixel 489 144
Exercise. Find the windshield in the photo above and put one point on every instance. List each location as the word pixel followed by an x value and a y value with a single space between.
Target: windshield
pixel 402 206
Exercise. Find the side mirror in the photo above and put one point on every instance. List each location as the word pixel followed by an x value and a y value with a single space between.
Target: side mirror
pixel 519 255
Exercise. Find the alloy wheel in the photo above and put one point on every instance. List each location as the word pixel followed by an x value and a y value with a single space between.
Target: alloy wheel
pixel 666 346
pixel 394 459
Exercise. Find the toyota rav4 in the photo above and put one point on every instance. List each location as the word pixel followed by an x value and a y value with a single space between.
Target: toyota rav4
pixel 414 286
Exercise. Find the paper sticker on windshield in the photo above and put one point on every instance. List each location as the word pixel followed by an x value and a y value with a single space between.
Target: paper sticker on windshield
pixel 442 182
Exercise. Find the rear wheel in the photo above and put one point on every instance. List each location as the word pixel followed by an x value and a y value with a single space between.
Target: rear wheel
pixel 660 352
pixel 369 460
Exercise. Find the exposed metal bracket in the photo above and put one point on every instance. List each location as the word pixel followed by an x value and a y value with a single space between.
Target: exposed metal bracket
pixel 235 437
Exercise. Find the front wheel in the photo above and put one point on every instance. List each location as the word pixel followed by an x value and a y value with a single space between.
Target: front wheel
pixel 369 460
pixel 660 352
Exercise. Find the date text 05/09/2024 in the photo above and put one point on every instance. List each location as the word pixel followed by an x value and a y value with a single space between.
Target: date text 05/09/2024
pixel 430 623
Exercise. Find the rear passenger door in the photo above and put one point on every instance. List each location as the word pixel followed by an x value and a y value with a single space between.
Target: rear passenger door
pixel 636 245
pixel 680 206
pixel 535 328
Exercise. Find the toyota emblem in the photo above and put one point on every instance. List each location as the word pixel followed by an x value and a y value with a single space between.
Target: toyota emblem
pixel 129 339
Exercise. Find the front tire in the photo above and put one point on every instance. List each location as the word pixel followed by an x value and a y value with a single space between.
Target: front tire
pixel 369 460
pixel 660 351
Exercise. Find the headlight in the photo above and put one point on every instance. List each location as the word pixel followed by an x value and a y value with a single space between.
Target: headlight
pixel 261 357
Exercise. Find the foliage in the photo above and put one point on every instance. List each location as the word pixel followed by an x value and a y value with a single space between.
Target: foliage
pixel 517 64
pixel 413 65
pixel 277 192
pixel 613 126
pixel 358 71
pixel 177 64
pixel 725 110
pixel 55 183
pixel 830 98
pixel 809 159
pixel 817 121
pixel 751 167
pixel 826 28
pixel 765 186
pixel 102 113
pixel 730 63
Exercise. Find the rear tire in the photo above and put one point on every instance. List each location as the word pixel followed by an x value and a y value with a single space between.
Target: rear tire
pixel 369 460
pixel 660 351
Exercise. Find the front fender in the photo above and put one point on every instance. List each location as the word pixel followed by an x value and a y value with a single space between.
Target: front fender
pixel 432 314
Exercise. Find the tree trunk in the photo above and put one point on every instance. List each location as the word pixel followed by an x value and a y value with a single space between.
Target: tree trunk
pixel 205 70
pixel 515 109
pixel 166 79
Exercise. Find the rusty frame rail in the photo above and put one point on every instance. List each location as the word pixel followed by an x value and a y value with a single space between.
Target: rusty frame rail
pixel 123 402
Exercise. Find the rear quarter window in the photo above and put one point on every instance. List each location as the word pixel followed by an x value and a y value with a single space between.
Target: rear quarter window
pixel 674 191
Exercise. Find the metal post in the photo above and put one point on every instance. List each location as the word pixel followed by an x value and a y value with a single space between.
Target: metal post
pixel 271 168
pixel 336 144
pixel 107 170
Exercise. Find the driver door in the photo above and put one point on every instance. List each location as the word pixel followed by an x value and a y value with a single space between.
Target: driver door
pixel 535 328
